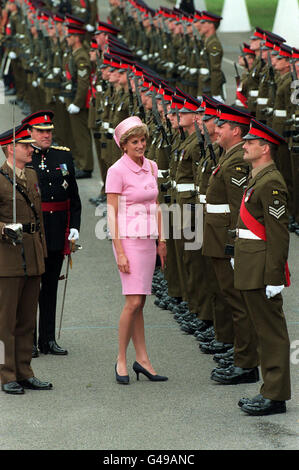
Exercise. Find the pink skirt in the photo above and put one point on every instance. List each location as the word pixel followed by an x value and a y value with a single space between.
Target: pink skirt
pixel 141 254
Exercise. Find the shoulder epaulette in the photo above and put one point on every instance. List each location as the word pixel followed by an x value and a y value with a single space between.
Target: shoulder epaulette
pixel 57 147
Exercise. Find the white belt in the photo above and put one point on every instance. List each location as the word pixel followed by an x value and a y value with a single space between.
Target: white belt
pixel 262 101
pixel 99 88
pixel 173 184
pixel 105 125
pixel 248 234
pixel 218 208
pixel 160 173
pixel 184 187
pixel 280 113
pixel 204 71
pixel 254 93
pixel 202 198
pixel 193 70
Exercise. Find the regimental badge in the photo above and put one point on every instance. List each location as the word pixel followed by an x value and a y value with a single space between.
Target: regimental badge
pixel 65 184
pixel 275 192
pixel 277 212
pixel 63 168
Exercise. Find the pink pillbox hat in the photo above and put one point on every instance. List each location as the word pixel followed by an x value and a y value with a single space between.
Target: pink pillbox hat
pixel 126 125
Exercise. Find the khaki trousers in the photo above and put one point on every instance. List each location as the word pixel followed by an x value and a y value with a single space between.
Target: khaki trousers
pixel 273 342
pixel 245 339
pixel 18 307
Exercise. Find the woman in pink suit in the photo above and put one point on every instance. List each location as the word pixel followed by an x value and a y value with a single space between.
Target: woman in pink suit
pixel 135 224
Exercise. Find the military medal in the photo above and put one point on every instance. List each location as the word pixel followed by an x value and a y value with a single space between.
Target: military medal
pixel 42 164
pixel 64 185
pixel 63 168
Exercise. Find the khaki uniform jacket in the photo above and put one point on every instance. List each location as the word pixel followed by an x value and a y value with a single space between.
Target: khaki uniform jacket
pixel 257 262
pixel 225 187
pixel 11 260
pixel 211 82
pixel 282 105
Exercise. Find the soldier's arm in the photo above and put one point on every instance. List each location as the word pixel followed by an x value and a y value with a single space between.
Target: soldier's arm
pixel 83 73
pixel 235 180
pixel 274 201
pixel 215 58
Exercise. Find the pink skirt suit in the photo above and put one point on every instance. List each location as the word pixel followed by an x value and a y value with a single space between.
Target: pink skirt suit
pixel 137 220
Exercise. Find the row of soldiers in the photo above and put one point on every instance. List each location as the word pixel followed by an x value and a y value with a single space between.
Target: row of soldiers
pixel 201 164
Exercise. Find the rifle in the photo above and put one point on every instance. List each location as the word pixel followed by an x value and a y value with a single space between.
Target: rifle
pixel 200 141
pixel 244 58
pixel 237 77
pixel 157 118
pixel 131 97
pixel 272 82
pixel 210 145
pixel 168 123
pixel 182 132
pixel 140 105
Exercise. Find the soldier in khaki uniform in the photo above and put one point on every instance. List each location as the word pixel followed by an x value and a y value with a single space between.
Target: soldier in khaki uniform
pixel 211 77
pixel 78 70
pixel 221 312
pixel 22 252
pixel 251 84
pixel 261 251
pixel 223 200
pixel 281 114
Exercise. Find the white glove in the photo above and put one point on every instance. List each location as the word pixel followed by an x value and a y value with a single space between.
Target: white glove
pixel 61 98
pixel 74 234
pixel 56 70
pixel 232 262
pixel 90 28
pixel 272 291
pixel 34 83
pixel 73 109
pixel 12 55
pixel 218 98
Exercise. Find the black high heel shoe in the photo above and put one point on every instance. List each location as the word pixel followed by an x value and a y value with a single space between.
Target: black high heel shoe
pixel 141 370
pixel 121 379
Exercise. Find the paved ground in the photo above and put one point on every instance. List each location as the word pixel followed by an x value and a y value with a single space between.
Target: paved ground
pixel 88 410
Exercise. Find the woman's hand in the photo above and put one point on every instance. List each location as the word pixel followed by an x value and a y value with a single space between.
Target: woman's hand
pixel 162 252
pixel 123 263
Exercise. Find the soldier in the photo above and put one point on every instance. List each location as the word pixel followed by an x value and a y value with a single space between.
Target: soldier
pixel 282 112
pixel 78 72
pixel 61 208
pixel 221 313
pixel 260 271
pixel 252 81
pixel 223 200
pixel 211 77
pixel 22 252
pixel 293 140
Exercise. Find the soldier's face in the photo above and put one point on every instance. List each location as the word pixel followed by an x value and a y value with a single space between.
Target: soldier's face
pixel 23 154
pixel 186 119
pixel 255 44
pixel 253 151
pixel 43 138
pixel 210 125
pixel 225 135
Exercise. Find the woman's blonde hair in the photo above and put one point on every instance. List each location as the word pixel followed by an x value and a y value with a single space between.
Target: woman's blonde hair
pixel 136 131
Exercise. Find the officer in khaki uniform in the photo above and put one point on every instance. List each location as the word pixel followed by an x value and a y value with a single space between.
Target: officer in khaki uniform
pixel 260 270
pixel 223 200
pixel 211 77
pixel 22 252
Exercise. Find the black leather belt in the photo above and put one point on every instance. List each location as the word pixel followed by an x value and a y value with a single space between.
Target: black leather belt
pixel 31 228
